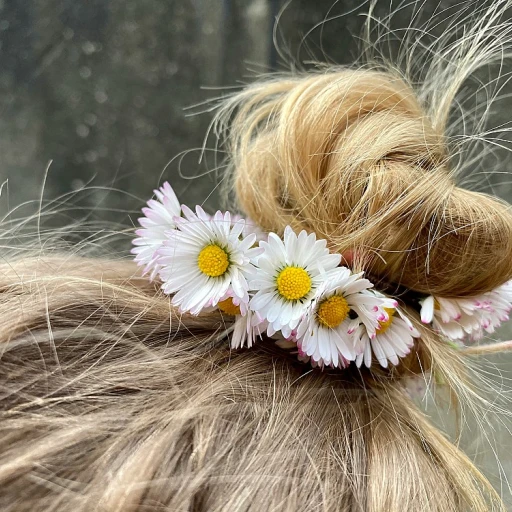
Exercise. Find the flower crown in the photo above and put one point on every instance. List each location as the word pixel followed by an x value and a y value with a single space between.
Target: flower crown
pixel 292 289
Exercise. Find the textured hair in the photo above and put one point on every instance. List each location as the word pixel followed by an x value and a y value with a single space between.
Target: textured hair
pixel 111 400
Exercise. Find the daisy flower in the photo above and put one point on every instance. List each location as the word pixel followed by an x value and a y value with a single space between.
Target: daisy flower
pixel 205 258
pixel 468 317
pixel 158 218
pixel 326 331
pixel 289 274
pixel 393 339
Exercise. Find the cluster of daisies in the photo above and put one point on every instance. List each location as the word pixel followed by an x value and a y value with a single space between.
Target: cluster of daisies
pixel 291 289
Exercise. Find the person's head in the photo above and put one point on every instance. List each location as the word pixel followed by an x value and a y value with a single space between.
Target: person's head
pixel 112 400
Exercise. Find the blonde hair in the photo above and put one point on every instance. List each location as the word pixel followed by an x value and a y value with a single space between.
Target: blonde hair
pixel 113 401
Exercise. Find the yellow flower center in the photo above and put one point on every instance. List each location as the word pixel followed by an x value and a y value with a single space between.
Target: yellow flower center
pixel 333 311
pixel 293 283
pixel 384 326
pixel 213 260
pixel 227 306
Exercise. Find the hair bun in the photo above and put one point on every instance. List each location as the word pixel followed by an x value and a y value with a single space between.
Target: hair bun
pixel 352 156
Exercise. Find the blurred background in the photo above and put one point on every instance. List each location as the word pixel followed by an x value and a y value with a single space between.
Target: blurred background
pixel 102 100
pixel 103 88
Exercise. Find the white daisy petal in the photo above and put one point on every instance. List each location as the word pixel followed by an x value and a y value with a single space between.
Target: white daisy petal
pixel 388 349
pixel 275 246
pixel 379 353
pixel 427 309
pixel 358 286
pixel 261 299
pixel 343 343
pixel 368 354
